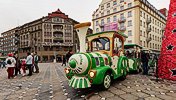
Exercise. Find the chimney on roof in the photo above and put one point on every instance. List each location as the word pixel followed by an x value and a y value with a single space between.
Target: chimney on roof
pixel 164 11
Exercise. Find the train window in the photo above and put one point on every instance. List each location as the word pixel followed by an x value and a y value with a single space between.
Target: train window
pixel 117 44
pixel 102 43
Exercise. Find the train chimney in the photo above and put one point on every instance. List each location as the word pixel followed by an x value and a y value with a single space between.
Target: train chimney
pixel 82 31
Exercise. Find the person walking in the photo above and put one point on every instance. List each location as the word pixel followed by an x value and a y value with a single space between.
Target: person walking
pixel 145 60
pixel 29 63
pixel 36 59
pixel 68 55
pixel 10 61
pixel 4 64
pixel 63 60
pixel 17 67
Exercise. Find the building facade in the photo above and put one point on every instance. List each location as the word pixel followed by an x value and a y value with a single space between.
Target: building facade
pixel 8 44
pixel 1 43
pixel 51 36
pixel 138 19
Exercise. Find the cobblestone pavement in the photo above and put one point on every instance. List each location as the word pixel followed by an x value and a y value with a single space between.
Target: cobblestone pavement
pixel 51 84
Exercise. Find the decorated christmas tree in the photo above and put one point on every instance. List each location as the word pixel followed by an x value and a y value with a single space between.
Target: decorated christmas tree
pixel 167 60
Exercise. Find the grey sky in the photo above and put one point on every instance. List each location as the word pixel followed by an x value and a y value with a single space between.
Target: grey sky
pixel 18 12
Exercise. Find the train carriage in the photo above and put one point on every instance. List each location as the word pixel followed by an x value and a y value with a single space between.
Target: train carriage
pixel 133 53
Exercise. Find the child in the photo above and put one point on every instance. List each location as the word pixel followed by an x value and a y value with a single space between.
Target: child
pixel 10 61
pixel 23 66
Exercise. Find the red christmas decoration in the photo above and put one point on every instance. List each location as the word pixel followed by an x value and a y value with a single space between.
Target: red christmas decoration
pixel 167 60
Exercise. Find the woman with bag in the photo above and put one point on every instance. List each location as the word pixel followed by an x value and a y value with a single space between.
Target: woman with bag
pixel 10 61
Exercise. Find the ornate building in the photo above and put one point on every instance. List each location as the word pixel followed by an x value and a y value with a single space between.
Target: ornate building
pixel 139 19
pixel 50 36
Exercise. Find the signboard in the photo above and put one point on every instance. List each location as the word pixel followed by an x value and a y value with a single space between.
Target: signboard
pixel 111 27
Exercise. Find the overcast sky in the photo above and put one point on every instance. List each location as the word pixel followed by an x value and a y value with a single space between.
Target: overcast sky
pixel 18 12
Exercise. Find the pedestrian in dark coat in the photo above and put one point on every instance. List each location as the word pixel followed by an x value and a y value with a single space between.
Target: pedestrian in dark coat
pixel 68 55
pixel 17 67
pixel 63 60
pixel 145 60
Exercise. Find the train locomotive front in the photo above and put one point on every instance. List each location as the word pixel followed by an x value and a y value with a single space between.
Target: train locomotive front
pixel 80 70
pixel 99 66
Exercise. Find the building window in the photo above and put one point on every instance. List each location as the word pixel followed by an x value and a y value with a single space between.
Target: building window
pixel 122 25
pixel 108 20
pixel 144 24
pixel 97 16
pixel 114 2
pixel 130 33
pixel 129 41
pixel 102 7
pixel 108 12
pixel 141 13
pixel 140 32
pixel 97 30
pixel 129 23
pixel 122 15
pixel 102 14
pixel 140 22
pixel 144 15
pixel 114 18
pixel 129 5
pixel 97 23
pixel 121 7
pixel 144 43
pixel 114 10
pixel 130 14
pixel 108 5
pixel 102 22
pixel 144 33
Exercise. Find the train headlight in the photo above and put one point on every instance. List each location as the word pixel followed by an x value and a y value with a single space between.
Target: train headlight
pixel 92 73
pixel 67 70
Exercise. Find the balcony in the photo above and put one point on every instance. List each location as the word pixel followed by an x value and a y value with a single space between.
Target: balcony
pixel 57 29
pixel 148 39
pixel 122 20
pixel 148 20
pixel 122 28
pixel 149 30
pixel 58 38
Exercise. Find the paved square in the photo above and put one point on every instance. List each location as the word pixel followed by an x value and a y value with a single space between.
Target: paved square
pixel 51 84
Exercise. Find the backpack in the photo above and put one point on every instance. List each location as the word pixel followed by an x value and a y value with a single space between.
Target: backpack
pixel 9 62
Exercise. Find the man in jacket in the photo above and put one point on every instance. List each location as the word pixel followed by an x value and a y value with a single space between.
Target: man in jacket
pixel 29 63
pixel 145 60
pixel 10 61
pixel 36 59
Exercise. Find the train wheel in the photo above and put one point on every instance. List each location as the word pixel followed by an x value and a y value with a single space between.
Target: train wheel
pixel 107 81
